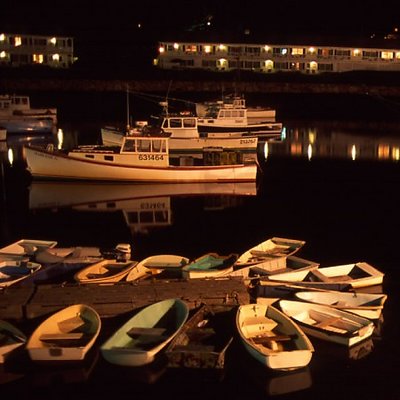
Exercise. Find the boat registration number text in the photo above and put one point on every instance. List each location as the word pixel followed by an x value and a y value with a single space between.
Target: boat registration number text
pixel 247 141
pixel 151 157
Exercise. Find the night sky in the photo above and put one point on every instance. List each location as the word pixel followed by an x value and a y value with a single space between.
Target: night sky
pixel 84 17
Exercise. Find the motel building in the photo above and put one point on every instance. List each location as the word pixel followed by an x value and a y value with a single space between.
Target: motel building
pixel 270 58
pixel 18 50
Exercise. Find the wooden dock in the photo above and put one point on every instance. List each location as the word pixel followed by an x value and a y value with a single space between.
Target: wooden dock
pixel 28 302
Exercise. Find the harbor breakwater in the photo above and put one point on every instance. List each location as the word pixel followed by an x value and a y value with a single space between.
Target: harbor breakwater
pixel 10 85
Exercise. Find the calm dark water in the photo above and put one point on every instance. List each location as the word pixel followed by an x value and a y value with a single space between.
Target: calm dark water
pixel 333 183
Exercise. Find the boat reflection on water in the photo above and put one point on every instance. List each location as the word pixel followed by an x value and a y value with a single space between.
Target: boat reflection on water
pixel 51 375
pixel 337 352
pixel 268 381
pixel 7 376
pixel 289 382
pixel 11 149
pixel 325 141
pixel 147 374
pixel 144 206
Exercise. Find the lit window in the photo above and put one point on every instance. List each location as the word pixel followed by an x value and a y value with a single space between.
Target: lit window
pixel 396 153
pixel 2 37
pixel 161 49
pixel 191 48
pixel 223 62
pixel 387 55
pixel 311 50
pixel 38 58
pixel 17 41
pixel 55 57
pixel 222 47
pixel 297 51
pixel 398 55
pixel 207 49
pixel 176 46
pixel 283 51
pixel 53 40
pixel 313 65
pixel 3 54
pixel 383 151
pixel 356 52
pixel 267 48
pixel 269 64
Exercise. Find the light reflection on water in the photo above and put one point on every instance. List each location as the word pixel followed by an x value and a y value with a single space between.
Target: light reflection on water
pixel 321 141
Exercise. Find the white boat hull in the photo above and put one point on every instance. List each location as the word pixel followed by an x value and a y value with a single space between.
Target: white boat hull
pixel 50 165
pixel 338 277
pixel 367 305
pixel 39 349
pixel 256 321
pixel 327 323
pixel 191 145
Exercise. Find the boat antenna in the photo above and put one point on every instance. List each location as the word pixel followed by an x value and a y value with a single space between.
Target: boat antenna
pixel 127 108
pixel 164 103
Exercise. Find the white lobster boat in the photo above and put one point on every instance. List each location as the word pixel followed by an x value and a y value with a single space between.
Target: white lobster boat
pixel 229 119
pixel 139 159
pixel 184 137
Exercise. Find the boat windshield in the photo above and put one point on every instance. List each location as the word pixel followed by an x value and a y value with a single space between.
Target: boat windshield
pixel 144 145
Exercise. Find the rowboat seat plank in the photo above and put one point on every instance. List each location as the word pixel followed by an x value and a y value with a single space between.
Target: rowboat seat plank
pixel 52 337
pixel 70 324
pixel 320 276
pixel 266 324
pixel 136 331
pixel 267 339
pixel 327 322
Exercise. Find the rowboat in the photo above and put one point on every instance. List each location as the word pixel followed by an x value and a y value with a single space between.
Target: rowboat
pixel 24 248
pixel 14 271
pixel 67 335
pixel 338 277
pixel 69 255
pixel 272 338
pixel 11 338
pixel 270 255
pixel 139 340
pixel 203 341
pixel 105 272
pixel 328 323
pixel 290 263
pixel 139 159
pixel 210 265
pixel 166 264
pixel 367 305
